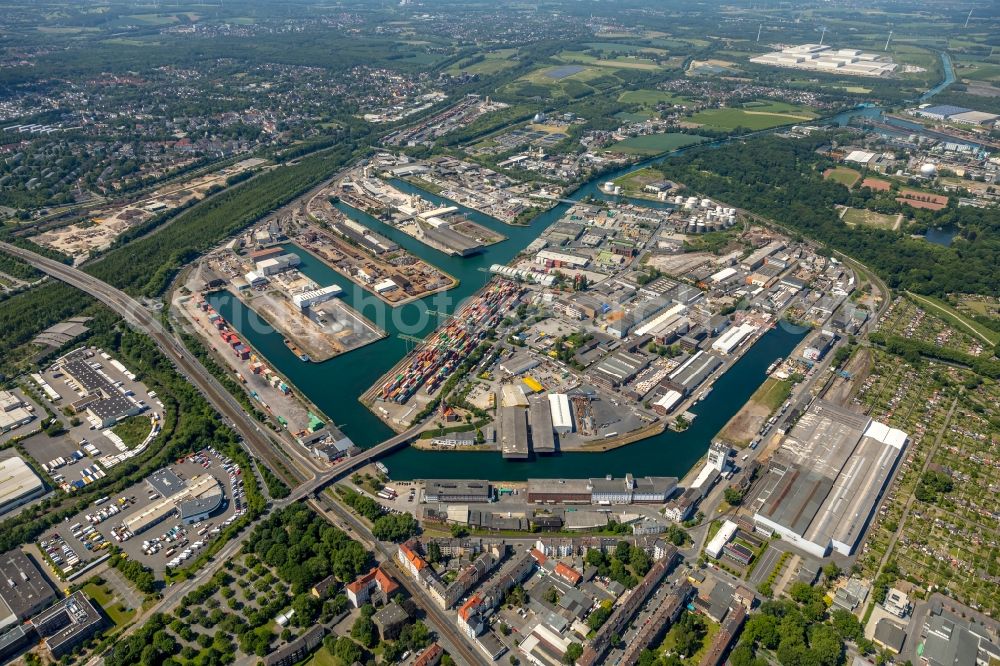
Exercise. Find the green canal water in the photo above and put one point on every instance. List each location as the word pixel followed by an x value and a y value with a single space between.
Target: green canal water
pixel 335 385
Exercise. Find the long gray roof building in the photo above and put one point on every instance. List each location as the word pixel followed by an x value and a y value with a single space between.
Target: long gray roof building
pixel 826 479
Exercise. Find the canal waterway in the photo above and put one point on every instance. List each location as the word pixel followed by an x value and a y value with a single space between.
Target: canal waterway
pixel 334 386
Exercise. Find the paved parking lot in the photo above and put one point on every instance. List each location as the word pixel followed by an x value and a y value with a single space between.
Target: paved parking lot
pixel 87 538
pixel 81 446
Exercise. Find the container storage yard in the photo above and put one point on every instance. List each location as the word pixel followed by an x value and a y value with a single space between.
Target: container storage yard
pixel 429 365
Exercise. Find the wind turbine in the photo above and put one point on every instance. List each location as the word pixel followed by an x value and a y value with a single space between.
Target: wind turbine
pixel 823 36
pixel 887 41
pixel 967 18
pixel 758 32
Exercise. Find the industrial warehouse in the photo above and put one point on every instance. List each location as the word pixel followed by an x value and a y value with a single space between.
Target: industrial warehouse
pixel 825 481
pixel 192 501
pixel 18 484
pixel 606 490
pixel 821 58
pixel 102 400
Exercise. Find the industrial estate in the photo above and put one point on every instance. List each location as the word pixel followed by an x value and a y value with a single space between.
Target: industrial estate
pixel 441 333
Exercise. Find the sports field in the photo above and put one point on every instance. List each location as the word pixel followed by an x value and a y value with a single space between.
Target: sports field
pixel 843 175
pixel 855 216
pixel 654 144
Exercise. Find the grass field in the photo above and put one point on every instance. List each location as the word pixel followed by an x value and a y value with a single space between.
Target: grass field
pixel 654 144
pixel 133 430
pixel 711 629
pixel 843 175
pixel 772 393
pixel 622 62
pixel 981 71
pixel 651 98
pixel 110 603
pixel 730 119
pixel 621 47
pixel 636 180
pixel 324 658
pixel 495 61
pixel 868 218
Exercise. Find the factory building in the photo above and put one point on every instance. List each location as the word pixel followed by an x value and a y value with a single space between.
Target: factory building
pixel 666 402
pixel 555 259
pixel 451 240
pixel 104 403
pixel 690 374
pixel 756 259
pixel 825 481
pixel 645 490
pixel 456 490
pixel 604 491
pixel 277 264
pixel 821 58
pixel 540 420
pixel 733 338
pixel 513 433
pixel 562 417
pixel 18 484
pixel 312 297
pixel 617 369
pixel 818 347
pixel 721 538
pixel 24 590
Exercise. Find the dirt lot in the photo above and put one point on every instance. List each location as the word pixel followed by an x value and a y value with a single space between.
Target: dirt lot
pixel 747 422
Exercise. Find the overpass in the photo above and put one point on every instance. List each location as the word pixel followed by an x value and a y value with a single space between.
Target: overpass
pixel 313 480
pixel 139 318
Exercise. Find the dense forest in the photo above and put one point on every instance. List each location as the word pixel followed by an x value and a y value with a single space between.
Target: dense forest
pixel 781 179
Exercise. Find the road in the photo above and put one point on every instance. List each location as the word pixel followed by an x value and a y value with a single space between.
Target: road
pixel 260 444
pixel 445 627
pixel 141 319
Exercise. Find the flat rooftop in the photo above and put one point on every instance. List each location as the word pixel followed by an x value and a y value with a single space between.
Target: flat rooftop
pixel 540 419
pixel 23 587
pixel 826 479
pixel 17 481
pixel 438 487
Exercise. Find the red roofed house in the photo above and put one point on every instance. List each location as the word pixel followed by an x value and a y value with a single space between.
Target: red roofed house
pixel 567 573
pixel 430 657
pixel 409 556
pixel 539 556
pixel 360 590
pixel 469 619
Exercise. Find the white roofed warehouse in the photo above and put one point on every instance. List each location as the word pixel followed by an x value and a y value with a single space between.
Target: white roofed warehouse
pixel 824 483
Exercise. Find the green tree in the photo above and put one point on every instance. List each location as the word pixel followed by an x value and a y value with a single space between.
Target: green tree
pixel 573 652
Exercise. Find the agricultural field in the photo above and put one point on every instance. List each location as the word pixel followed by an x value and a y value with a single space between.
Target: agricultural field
pixel 492 62
pixel 650 98
pixel 754 118
pixel 565 81
pixel 854 217
pixel 979 71
pixel 654 144
pixel 843 175
pixel 619 62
